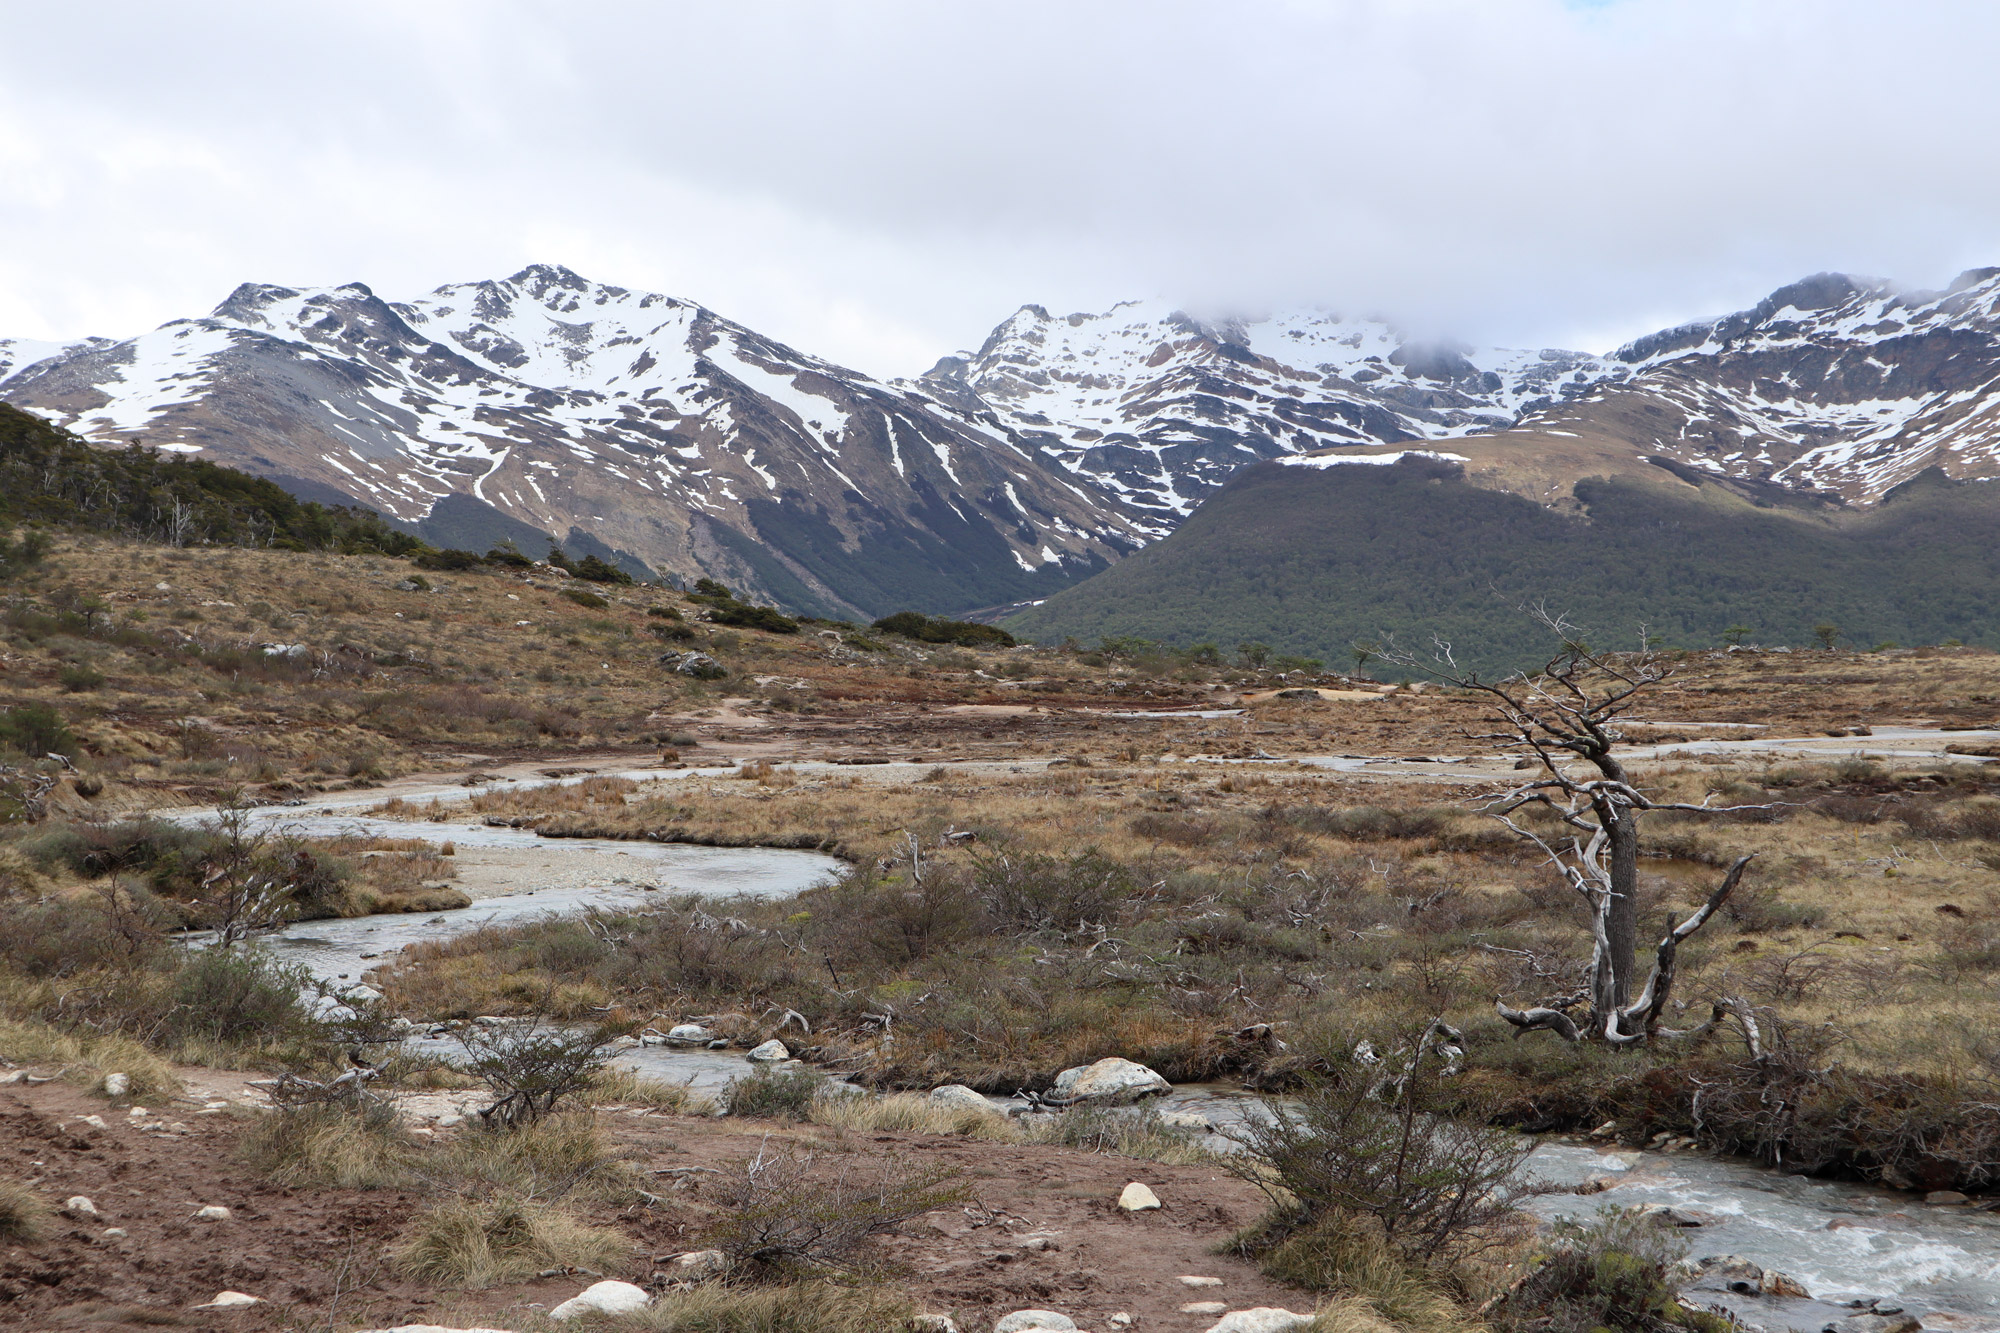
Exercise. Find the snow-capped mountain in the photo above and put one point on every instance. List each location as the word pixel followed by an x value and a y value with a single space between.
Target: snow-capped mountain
pixel 649 424
pixel 655 427
pixel 1836 384
pixel 1160 407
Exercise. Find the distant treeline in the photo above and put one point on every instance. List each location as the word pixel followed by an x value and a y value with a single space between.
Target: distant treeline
pixel 1316 562
pixel 50 476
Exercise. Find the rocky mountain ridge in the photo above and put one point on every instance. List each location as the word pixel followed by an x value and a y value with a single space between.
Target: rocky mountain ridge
pixel 1838 385
pixel 649 424
pixel 652 426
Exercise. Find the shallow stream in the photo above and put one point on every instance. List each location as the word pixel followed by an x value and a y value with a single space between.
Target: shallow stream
pixel 1842 1241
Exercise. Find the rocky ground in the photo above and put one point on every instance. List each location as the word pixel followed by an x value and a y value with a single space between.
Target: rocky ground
pixel 1042 1230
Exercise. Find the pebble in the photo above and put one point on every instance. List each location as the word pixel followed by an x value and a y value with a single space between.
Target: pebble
pixel 76 1205
pixel 1199 1281
pixel 225 1299
pixel 94 1121
pixel 933 1323
pixel 1205 1307
pixel 608 1297
pixel 117 1085
pixel 113 1233
pixel 1123 1319
pixel 1137 1198
pixel 213 1212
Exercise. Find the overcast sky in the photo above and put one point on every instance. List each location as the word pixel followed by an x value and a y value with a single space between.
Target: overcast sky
pixel 881 182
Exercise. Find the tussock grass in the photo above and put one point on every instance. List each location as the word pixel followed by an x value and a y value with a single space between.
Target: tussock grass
pixel 22 1214
pixel 330 1147
pixel 909 1113
pixel 543 1159
pixel 630 1088
pixel 84 1059
pixel 468 1242
pixel 1121 1132
pixel 1377 1286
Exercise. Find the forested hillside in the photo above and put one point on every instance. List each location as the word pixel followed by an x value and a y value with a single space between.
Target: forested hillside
pixel 48 475
pixel 1315 561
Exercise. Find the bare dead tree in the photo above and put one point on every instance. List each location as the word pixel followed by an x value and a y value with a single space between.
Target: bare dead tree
pixel 1564 722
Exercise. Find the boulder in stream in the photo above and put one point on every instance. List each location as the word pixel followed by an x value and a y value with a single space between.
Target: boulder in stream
pixel 689 1034
pixel 1110 1079
pixel 771 1052
pixel 958 1097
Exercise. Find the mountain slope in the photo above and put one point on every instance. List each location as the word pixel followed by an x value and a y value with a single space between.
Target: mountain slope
pixel 1839 385
pixel 1161 407
pixel 1312 560
pixel 652 425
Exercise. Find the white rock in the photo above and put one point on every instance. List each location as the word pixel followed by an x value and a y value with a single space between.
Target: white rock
pixel 933 1323
pixel 958 1097
pixel 94 1121
pixel 1112 1078
pixel 1204 1307
pixel 603 1298
pixel 224 1299
pixel 1025 1321
pixel 689 1034
pixel 117 1085
pixel 214 1212
pixel 1123 1319
pixel 700 1265
pixel 113 1233
pixel 1263 1319
pixel 1136 1198
pixel 76 1205
pixel 1199 1281
pixel 770 1052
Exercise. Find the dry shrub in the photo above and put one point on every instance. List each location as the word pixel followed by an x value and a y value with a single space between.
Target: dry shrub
pixel 21 1213
pixel 330 1147
pixel 785 1213
pixel 1622 1272
pixel 467 1242
pixel 774 1094
pixel 1434 1189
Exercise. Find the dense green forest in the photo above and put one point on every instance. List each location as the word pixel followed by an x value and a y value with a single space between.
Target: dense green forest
pixel 1315 561
pixel 49 476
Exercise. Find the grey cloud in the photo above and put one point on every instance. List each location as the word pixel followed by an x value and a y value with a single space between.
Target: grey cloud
pixel 881 182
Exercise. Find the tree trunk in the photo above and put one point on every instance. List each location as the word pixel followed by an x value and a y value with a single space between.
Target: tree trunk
pixel 1621 925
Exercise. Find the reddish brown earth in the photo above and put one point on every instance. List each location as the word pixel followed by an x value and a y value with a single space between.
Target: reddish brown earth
pixel 1042 1230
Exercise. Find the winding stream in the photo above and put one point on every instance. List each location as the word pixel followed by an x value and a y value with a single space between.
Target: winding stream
pixel 1842 1241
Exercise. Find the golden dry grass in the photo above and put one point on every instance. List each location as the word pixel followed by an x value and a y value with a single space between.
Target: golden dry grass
pixel 480 1242
pixel 329 1147
pixel 22 1212
pixel 84 1059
